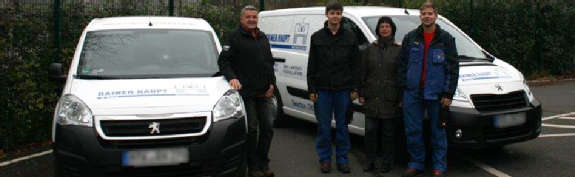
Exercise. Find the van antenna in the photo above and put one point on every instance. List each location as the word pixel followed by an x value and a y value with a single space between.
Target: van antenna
pixel 406 12
pixel 150 19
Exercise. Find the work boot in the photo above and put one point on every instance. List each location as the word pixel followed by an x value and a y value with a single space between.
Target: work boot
pixel 410 172
pixel 325 167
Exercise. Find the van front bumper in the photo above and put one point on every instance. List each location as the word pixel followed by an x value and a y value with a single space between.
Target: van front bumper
pixel 80 151
pixel 478 129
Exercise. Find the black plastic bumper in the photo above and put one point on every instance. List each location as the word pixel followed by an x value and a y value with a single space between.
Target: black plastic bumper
pixel 79 151
pixel 478 128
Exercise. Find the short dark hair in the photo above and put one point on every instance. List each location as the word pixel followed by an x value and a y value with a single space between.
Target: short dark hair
pixel 333 6
pixel 428 4
pixel 386 19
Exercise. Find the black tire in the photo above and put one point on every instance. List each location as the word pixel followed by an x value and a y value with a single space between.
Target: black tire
pixel 280 119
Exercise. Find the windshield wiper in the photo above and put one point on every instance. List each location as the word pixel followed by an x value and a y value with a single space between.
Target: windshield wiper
pixel 470 58
pixel 95 77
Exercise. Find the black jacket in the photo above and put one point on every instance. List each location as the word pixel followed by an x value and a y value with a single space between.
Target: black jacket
pixel 333 62
pixel 379 80
pixel 249 60
pixel 442 65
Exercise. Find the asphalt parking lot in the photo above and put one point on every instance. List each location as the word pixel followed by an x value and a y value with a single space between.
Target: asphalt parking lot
pixel 293 152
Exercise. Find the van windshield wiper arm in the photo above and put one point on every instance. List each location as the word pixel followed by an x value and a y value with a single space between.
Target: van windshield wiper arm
pixel 95 77
pixel 470 58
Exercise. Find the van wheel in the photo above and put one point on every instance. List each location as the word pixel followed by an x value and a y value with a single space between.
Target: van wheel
pixel 280 120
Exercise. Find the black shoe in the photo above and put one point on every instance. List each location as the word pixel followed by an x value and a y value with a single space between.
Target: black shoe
pixel 343 168
pixel 410 172
pixel 325 167
pixel 385 168
pixel 369 167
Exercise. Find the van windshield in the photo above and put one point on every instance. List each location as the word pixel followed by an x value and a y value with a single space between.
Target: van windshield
pixel 156 53
pixel 465 48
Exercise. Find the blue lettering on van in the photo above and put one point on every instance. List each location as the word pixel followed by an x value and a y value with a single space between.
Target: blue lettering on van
pixel 302 106
pixel 293 70
pixel 278 37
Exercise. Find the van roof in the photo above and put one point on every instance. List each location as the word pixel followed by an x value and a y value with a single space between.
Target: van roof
pixel 359 11
pixel 143 22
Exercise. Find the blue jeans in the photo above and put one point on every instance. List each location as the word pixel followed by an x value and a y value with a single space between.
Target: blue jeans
pixel 332 104
pixel 413 109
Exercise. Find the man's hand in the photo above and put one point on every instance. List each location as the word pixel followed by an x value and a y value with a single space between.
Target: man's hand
pixel 313 97
pixel 445 102
pixel 235 83
pixel 353 95
pixel 362 100
pixel 270 92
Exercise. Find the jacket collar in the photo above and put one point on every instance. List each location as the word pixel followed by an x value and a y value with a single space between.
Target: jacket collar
pixel 244 31
pixel 438 31
pixel 340 31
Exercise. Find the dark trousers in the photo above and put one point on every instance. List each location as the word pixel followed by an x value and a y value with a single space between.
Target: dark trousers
pixel 259 113
pixel 379 133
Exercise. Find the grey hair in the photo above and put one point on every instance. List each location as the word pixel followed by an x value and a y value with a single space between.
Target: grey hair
pixel 248 7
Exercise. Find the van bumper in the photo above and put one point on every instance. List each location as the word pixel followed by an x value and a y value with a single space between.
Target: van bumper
pixel 80 151
pixel 478 130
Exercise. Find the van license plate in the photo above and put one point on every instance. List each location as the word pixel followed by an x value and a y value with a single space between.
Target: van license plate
pixel 508 120
pixel 155 157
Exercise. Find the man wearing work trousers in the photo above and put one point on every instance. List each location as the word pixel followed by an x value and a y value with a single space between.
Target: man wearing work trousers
pixel 428 70
pixel 333 77
pixel 247 63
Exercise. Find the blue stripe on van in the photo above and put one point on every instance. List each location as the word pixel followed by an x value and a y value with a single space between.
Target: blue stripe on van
pixel 294 47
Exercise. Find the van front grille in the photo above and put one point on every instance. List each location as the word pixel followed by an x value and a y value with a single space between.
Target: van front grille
pixel 493 102
pixel 141 128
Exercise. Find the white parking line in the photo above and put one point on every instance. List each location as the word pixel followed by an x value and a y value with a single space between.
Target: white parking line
pixel 556 116
pixel 567 118
pixel 558 126
pixel 25 158
pixel 484 166
pixel 557 135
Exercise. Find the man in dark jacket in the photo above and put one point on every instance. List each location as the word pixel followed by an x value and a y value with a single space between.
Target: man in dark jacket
pixel 247 63
pixel 428 71
pixel 333 79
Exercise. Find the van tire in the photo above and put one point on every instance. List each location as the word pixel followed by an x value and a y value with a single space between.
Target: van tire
pixel 281 120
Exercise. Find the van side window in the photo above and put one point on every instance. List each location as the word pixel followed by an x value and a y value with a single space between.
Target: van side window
pixel 350 25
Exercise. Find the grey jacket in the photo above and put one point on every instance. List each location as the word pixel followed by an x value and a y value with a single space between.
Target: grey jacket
pixel 379 84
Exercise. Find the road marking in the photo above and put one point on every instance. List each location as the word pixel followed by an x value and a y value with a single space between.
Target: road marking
pixel 559 126
pixel 556 116
pixel 567 118
pixel 484 166
pixel 25 158
pixel 557 135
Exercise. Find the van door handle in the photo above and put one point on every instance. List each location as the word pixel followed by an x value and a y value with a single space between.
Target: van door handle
pixel 277 59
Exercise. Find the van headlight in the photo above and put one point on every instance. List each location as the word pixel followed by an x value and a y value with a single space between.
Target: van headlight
pixel 459 95
pixel 73 111
pixel 527 90
pixel 229 106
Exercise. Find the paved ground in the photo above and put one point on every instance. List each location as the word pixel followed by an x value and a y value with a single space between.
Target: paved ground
pixel 293 151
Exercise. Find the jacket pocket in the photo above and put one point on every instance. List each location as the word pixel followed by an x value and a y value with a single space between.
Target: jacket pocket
pixel 391 93
pixel 438 56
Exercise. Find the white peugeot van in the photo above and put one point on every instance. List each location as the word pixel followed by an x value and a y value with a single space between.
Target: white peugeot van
pixel 492 107
pixel 143 97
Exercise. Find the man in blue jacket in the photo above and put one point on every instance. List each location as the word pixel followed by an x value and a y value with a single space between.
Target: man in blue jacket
pixel 428 71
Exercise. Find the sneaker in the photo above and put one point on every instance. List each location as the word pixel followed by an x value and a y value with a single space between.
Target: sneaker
pixel 437 173
pixel 343 168
pixel 385 168
pixel 369 167
pixel 410 172
pixel 256 173
pixel 325 167
pixel 267 172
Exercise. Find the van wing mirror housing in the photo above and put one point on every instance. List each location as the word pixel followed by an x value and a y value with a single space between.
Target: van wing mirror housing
pixel 57 73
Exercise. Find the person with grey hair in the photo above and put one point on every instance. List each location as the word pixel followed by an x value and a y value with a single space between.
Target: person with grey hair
pixel 246 61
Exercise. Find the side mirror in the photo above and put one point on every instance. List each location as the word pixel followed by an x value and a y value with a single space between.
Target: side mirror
pixel 57 73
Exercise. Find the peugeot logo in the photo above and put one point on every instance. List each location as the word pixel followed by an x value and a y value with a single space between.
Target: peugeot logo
pixel 155 126
pixel 498 87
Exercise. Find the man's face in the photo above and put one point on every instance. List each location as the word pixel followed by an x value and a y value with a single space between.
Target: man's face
pixel 428 17
pixel 333 16
pixel 250 19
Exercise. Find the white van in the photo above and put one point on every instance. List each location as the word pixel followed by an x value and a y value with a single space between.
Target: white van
pixel 143 98
pixel 492 107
